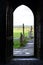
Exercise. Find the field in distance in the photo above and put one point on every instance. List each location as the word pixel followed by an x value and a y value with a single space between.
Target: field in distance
pixel 18 30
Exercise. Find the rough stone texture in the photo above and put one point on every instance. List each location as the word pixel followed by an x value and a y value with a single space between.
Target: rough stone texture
pixel 38 32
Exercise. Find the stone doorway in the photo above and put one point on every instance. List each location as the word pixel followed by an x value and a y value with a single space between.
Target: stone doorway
pixel 27 31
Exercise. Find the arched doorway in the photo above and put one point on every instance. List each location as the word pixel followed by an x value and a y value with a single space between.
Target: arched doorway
pixel 7 41
pixel 23 23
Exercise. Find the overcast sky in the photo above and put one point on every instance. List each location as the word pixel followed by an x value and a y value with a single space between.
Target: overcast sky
pixel 23 14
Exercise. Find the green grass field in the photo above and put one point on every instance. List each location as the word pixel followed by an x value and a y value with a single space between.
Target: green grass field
pixel 17 31
pixel 16 44
pixel 16 34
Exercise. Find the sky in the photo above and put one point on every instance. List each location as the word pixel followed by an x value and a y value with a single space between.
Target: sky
pixel 23 15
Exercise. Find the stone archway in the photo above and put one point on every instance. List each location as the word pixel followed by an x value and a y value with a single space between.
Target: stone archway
pixel 12 6
pixel 23 14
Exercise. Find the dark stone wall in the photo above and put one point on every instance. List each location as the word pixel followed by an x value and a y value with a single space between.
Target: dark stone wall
pixel 41 14
pixel 9 33
pixel 6 32
pixel 2 30
pixel 38 33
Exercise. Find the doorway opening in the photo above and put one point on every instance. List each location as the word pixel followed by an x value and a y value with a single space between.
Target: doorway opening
pixel 23 31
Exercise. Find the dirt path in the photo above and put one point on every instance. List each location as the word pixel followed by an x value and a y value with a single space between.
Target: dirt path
pixel 28 50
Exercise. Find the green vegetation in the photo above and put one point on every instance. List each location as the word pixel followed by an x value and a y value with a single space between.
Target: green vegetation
pixel 17 31
pixel 17 43
pixel 16 34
